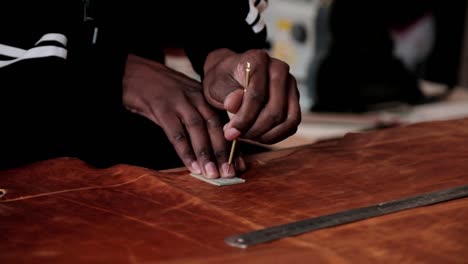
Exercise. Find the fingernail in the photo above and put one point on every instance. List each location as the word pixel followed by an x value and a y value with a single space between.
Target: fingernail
pixel 211 170
pixel 232 133
pixel 241 164
pixel 196 168
pixel 228 173
pixel 225 127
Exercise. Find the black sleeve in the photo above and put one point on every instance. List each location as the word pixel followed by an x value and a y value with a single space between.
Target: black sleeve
pixel 198 27
pixel 234 24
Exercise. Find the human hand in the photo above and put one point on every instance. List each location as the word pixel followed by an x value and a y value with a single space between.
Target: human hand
pixel 269 110
pixel 176 103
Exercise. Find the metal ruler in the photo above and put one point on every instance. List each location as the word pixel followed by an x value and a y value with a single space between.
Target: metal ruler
pixel 295 228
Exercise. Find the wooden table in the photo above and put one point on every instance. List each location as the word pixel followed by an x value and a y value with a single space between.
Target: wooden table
pixel 63 211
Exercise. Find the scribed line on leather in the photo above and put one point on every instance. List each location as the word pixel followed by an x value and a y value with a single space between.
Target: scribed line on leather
pixel 27 197
pixel 344 217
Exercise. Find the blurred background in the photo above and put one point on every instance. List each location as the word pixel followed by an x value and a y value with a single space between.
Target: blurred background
pixel 370 52
pixel 363 65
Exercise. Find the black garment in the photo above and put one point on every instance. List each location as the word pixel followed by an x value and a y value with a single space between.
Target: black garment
pixel 68 102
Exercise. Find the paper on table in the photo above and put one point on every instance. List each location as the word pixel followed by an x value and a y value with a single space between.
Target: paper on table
pixel 219 181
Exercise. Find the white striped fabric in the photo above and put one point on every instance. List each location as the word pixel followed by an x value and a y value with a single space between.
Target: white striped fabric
pixel 18 54
pixel 11 51
pixel 253 18
pixel 60 38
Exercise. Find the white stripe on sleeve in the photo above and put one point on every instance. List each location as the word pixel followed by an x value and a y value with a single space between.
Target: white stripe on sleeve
pixel 54 37
pixel 38 52
pixel 254 12
pixel 259 26
pixel 11 51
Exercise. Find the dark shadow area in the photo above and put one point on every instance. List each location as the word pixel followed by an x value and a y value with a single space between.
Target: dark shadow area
pixel 360 69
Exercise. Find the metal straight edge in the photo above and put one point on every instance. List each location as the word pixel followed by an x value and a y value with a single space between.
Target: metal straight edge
pixel 295 228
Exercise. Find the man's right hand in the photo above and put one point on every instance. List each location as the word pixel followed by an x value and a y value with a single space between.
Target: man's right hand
pixel 268 111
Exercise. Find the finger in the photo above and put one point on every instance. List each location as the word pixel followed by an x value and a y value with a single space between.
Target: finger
pixel 214 124
pixel 199 138
pixel 233 101
pixel 275 111
pixel 176 134
pixel 293 118
pixel 255 95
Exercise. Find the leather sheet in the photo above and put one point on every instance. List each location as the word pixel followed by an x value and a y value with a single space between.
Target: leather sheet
pixel 64 211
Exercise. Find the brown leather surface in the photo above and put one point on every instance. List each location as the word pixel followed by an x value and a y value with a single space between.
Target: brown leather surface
pixel 63 211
